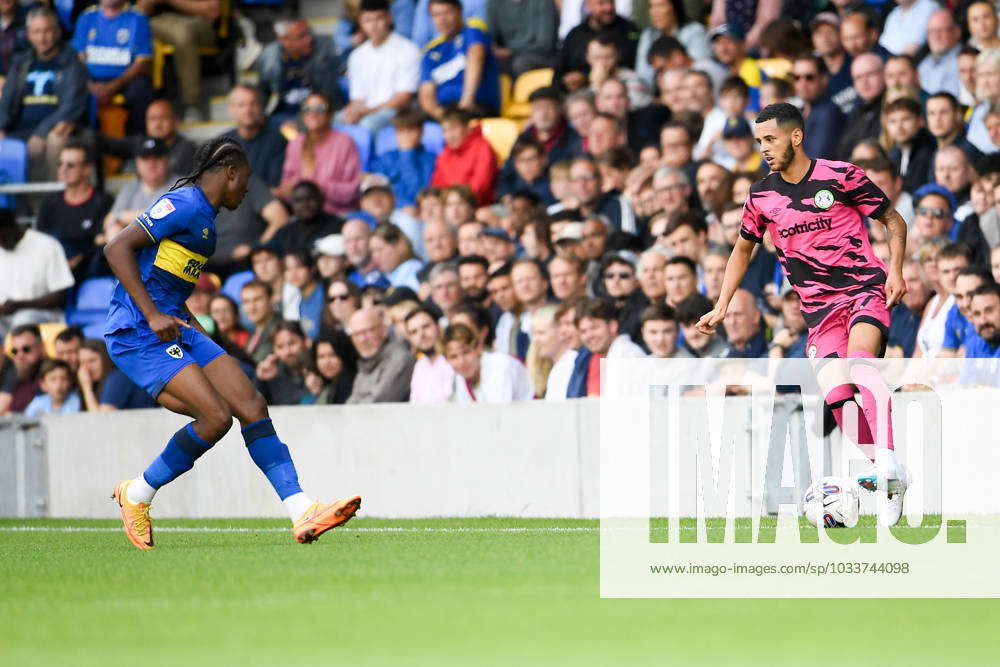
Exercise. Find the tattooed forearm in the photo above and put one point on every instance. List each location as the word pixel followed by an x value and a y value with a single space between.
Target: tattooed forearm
pixel 894 222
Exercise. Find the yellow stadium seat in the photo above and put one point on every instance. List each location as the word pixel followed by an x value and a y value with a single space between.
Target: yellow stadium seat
pixel 524 86
pixel 501 133
pixel 505 86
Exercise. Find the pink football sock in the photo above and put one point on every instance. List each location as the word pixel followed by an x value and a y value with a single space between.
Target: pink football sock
pixel 875 399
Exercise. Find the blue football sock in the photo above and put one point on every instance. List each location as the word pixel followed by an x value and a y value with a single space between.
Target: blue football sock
pixel 272 457
pixel 177 458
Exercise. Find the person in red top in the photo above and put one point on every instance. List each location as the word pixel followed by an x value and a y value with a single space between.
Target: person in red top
pixel 467 158
pixel 815 211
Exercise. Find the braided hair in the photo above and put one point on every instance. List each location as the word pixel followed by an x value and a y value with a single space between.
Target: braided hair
pixel 220 152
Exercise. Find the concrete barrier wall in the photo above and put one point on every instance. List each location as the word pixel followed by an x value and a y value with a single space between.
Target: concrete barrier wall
pixel 533 459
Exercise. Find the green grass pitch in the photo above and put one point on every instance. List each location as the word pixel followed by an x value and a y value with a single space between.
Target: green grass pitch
pixel 382 592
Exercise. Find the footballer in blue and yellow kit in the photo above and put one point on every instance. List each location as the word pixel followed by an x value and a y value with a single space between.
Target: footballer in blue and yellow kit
pixel 181 225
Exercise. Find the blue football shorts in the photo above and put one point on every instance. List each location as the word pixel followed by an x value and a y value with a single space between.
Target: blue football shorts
pixel 151 363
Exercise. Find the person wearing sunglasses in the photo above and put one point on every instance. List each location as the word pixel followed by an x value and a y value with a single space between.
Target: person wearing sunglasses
pixel 19 380
pixel 823 118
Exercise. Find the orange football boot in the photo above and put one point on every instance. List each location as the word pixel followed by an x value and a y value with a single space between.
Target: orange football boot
pixel 321 517
pixel 135 516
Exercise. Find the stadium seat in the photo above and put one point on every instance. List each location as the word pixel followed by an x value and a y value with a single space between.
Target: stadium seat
pixel 505 89
pixel 432 139
pixel 90 304
pixel 235 283
pixel 13 166
pixel 501 133
pixel 362 139
pixel 524 86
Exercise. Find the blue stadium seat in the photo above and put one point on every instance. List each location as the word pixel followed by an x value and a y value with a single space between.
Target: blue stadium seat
pixel 90 305
pixel 432 139
pixel 13 166
pixel 235 283
pixel 362 138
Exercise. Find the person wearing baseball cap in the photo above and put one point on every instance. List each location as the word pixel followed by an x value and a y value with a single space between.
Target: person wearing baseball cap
pixel 152 166
pixel 737 137
pixel 729 46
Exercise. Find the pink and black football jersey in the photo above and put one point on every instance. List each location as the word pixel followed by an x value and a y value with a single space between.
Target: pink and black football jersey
pixel 818 227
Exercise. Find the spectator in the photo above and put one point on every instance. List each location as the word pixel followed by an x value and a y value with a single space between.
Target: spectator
pixel 19 384
pixel 953 171
pixel 621 287
pixel 864 122
pixel 918 292
pixel 473 274
pixel 531 287
pixel 75 215
pixel 580 111
pixel 265 264
pixel 985 310
pixel 225 315
pixel 153 179
pixel 34 276
pixel 668 19
pixel 331 258
pixel 935 210
pixel 357 247
pixel 587 189
pixel 568 276
pixel 255 298
pixel 186 26
pixel 697 344
pixel 982 23
pixel 968 57
pixel 296 65
pixel 828 46
pixel 906 26
pixel 521 45
pixel 310 222
pixel 598 327
pixel 734 96
pixel 508 335
pixel 949 262
pixel 459 208
pixel 392 254
pixel 546 348
pixel 259 136
pixel 635 125
pixel 13 34
pixel 446 294
pixel 939 68
pixel 281 375
pixel 467 157
pixel 606 131
pixel 378 202
pixel 738 140
pixel 161 123
pixel 957 325
pixel 433 377
pixel 528 158
pixel 44 95
pixel 481 376
pixel 409 167
pixel 115 43
pixel 458 68
pixel 988 93
pixel 572 70
pixel 385 367
pixel 604 62
pixel 824 119
pixel 884 173
pixel 557 387
pixel 479 319
pixel 945 121
pixel 57 394
pixel 790 341
pixel 258 218
pixel 912 145
pixel 440 243
pixel 343 298
pixel 659 331
pixel 103 387
pixel 67 347
pixel 304 303
pixel 330 378
pixel 680 279
pixel 729 47
pixel 384 70
pixel 323 155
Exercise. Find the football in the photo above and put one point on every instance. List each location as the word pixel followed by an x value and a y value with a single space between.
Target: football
pixel 832 502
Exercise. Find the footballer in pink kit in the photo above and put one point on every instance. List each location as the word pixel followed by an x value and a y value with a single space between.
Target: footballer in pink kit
pixel 815 212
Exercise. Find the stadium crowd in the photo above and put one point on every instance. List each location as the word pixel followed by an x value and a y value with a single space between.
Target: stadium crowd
pixel 451 265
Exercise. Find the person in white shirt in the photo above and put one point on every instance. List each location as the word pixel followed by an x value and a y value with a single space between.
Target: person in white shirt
pixel 545 350
pixel 383 71
pixel 34 276
pixel 905 28
pixel 480 376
